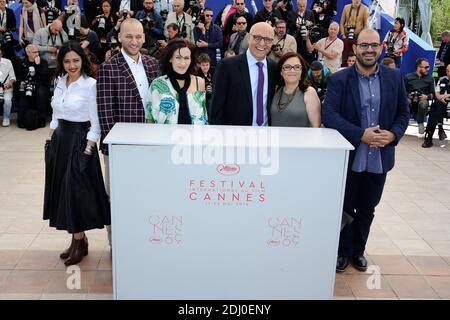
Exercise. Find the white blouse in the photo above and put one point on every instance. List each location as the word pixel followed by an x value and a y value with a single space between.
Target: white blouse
pixel 76 103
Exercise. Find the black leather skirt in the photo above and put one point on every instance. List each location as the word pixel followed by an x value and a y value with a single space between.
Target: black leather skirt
pixel 75 198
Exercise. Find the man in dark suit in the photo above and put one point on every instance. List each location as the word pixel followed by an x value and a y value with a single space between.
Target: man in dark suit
pixel 122 85
pixel 7 27
pixel 444 53
pixel 367 104
pixel 244 85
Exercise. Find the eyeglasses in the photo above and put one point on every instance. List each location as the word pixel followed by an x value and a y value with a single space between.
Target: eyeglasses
pixel 426 67
pixel 209 15
pixel 240 4
pixel 259 38
pixel 241 23
pixel 288 67
pixel 364 46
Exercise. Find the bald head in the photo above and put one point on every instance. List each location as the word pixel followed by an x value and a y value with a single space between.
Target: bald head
pixel 131 24
pixel 262 27
pixel 260 40
pixel 368 34
pixel 56 26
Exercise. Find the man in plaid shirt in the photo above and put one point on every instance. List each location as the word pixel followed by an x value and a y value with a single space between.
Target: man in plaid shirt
pixel 122 86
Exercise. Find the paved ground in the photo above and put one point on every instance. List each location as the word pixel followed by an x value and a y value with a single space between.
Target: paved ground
pixel 409 241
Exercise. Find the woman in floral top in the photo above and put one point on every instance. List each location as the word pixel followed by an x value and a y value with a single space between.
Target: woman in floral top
pixel 177 97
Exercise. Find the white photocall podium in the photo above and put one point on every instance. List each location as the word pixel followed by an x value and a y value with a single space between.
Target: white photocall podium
pixel 222 212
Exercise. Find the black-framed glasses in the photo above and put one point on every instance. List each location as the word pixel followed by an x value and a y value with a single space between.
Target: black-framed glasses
pixel 241 23
pixel 365 46
pixel 258 39
pixel 289 67
pixel 209 15
pixel 426 67
pixel 240 3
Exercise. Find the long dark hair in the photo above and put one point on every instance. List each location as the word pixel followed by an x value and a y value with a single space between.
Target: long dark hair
pixel 301 84
pixel 75 47
pixel 402 23
pixel 172 46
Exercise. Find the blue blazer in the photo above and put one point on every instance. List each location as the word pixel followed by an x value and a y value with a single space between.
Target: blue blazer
pixel 342 109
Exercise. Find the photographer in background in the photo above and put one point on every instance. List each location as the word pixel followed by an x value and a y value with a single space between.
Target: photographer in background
pixel 71 18
pixel 268 14
pixel 52 9
pixel 113 35
pixel 91 9
pixel 324 11
pixel 230 26
pixel 239 39
pixel 443 55
pixel 439 110
pixel 329 49
pixel 48 40
pixel 172 33
pixel 7 27
pixel 102 24
pixel 153 27
pixel 288 15
pixel 182 19
pixel 354 18
pixel 420 88
pixel 90 43
pixel 7 80
pixel 163 7
pixel 396 42
pixel 204 71
pixel 32 75
pixel 304 22
pixel 208 36
pixel 317 78
pixel 283 42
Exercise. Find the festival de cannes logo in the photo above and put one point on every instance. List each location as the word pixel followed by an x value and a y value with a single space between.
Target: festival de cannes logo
pixel 228 169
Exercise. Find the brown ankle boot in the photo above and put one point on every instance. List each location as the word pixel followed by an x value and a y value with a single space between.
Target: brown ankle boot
pixel 64 255
pixel 79 251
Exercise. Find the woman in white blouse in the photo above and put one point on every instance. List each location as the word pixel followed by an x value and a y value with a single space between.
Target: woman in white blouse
pixel 75 196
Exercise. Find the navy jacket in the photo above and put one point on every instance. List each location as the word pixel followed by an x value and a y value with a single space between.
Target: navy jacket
pixel 342 109
pixel 213 37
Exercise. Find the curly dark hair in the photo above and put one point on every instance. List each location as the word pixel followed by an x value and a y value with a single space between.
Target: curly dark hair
pixel 75 47
pixel 172 46
pixel 301 84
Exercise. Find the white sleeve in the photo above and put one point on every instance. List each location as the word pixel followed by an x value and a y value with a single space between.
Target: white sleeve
pixel 94 132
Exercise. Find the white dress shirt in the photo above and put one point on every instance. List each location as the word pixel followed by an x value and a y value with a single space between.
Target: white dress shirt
pixel 139 75
pixel 254 70
pixel 76 103
pixel 6 71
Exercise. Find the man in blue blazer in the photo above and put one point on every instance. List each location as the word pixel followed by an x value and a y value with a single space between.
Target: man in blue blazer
pixel 367 104
pixel 245 84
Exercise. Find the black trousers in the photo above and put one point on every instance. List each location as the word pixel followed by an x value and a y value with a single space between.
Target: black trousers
pixel 362 194
pixel 437 114
pixel 38 101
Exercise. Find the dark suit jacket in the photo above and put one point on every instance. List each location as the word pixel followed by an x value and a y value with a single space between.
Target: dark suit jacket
pixel 10 20
pixel 342 109
pixel 446 58
pixel 232 102
pixel 118 98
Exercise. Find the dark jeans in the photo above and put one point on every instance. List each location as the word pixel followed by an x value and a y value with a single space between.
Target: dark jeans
pixel 398 62
pixel 437 114
pixel 362 194
pixel 38 101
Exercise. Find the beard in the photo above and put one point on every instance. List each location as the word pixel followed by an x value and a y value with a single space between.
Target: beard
pixel 367 64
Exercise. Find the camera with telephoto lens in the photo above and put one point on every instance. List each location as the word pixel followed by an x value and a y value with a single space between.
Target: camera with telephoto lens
pixel 49 13
pixel 148 22
pixel 199 18
pixel 415 96
pixel 29 84
pixel 351 31
pixel 125 13
pixel 390 51
pixel 315 34
pixel 2 93
pixel 302 30
pixel 183 31
pixel 6 37
pixel 321 4
pixel 101 19
pixel 164 14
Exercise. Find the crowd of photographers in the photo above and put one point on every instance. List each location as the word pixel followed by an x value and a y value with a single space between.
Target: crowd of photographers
pixel 45 25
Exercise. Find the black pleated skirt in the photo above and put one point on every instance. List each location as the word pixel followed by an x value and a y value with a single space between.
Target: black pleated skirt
pixel 75 198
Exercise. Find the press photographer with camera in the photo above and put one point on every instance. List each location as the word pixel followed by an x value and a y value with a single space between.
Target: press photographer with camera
pixel 102 24
pixel 173 32
pixel 32 18
pixel 420 88
pixel 239 39
pixel 317 78
pixel 52 9
pixel 396 42
pixel 7 27
pixel 330 49
pixel 288 14
pixel 324 11
pixel 153 27
pixel 204 71
pixel 113 35
pixel 71 18
pixel 48 40
pixel 228 22
pixel 268 14
pixel 283 42
pixel 354 18
pixel 304 22
pixel 182 19
pixel 32 75
pixel 208 36
pixel 7 80
pixel 439 110
pixel 89 41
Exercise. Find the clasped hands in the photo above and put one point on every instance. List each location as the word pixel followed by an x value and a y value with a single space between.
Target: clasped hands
pixel 377 138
